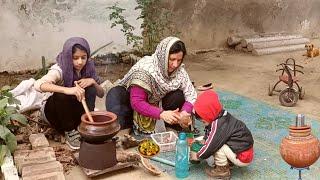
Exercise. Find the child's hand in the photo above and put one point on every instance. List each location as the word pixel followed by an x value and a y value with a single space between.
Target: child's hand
pixel 86 82
pixel 77 91
pixel 194 158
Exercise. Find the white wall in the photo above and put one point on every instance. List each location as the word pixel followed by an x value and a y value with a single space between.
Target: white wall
pixel 206 24
pixel 30 29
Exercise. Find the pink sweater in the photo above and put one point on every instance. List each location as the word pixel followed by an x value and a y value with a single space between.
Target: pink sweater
pixel 139 102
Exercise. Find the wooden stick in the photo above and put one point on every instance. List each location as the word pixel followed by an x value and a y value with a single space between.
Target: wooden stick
pixel 30 119
pixel 86 109
pixel 205 51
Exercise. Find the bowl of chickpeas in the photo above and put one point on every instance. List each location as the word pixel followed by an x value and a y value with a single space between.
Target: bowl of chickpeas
pixel 148 148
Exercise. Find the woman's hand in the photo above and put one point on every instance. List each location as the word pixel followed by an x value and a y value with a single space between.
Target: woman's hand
pixel 185 119
pixel 77 91
pixel 86 82
pixel 184 113
pixel 170 117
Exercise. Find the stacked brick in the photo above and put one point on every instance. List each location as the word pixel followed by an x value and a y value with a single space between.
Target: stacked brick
pixel 39 162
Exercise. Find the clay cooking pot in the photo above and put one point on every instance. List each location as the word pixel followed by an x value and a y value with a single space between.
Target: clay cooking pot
pixel 104 127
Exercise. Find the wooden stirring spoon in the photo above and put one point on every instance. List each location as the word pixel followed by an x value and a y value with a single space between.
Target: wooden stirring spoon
pixel 84 104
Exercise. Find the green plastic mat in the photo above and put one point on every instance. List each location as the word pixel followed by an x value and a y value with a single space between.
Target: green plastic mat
pixel 268 125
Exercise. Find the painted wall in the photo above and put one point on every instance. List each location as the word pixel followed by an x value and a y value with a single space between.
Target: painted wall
pixel 32 28
pixel 208 23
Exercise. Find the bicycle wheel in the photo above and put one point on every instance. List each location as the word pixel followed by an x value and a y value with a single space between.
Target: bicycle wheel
pixel 288 97
pixel 302 93
pixel 270 93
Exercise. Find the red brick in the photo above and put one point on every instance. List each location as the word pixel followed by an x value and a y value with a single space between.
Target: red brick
pixel 29 157
pixel 23 147
pixel 38 140
pixel 43 168
pixel 47 176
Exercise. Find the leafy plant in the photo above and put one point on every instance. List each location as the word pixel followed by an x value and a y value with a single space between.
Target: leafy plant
pixel 10 120
pixel 118 19
pixel 43 70
pixel 156 24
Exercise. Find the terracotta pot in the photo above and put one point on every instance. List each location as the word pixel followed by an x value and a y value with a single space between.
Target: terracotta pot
pixel 97 156
pixel 300 149
pixel 104 127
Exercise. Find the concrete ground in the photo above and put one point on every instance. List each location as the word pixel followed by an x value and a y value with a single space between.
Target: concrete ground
pixel 243 74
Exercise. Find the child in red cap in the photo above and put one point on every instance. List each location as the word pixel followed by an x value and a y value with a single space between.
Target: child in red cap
pixel 226 138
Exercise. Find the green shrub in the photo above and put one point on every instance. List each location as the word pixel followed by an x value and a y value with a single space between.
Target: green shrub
pixel 156 25
pixel 10 120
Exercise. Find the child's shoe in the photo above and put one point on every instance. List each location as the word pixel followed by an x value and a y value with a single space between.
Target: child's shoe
pixel 221 172
pixel 73 139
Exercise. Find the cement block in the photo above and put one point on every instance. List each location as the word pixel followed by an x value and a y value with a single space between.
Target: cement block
pixel 10 173
pixel 47 176
pixel 43 168
pixel 7 162
pixel 38 140
pixel 28 157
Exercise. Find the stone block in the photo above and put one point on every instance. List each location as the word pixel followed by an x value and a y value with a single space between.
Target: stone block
pixel 43 168
pixel 38 140
pixel 28 157
pixel 47 176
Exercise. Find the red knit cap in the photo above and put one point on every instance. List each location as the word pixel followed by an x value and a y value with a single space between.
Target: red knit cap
pixel 208 106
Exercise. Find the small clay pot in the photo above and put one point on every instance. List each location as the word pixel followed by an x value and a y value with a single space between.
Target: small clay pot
pixel 104 127
pixel 300 149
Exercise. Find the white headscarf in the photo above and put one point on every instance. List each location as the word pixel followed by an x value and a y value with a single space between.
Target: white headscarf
pixel 151 73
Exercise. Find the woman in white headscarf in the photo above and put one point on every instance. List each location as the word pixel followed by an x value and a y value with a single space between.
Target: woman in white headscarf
pixel 156 87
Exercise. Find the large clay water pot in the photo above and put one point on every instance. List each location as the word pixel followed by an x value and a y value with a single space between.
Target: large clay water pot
pixel 300 149
pixel 104 127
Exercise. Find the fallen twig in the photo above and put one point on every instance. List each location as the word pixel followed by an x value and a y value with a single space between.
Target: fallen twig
pixel 94 52
pixel 201 51
pixel 40 123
